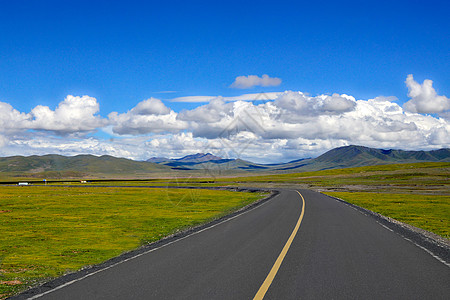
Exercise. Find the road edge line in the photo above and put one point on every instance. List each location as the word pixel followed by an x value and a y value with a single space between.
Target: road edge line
pixel 435 248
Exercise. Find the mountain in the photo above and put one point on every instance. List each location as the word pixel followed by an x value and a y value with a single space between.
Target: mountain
pixel 355 156
pixel 199 157
pixel 157 160
pixel 58 166
pixel 193 158
pixel 199 161
pixel 342 157
pixel 77 165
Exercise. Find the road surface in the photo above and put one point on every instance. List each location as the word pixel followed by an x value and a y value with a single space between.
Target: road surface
pixel 324 249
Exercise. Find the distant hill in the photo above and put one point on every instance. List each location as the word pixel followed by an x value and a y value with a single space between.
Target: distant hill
pixel 194 158
pixel 343 157
pixel 359 156
pixel 75 166
pixel 84 165
pixel 356 156
pixel 205 161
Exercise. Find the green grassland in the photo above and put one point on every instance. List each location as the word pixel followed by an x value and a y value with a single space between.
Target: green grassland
pixel 419 178
pixel 429 212
pixel 416 177
pixel 413 193
pixel 48 231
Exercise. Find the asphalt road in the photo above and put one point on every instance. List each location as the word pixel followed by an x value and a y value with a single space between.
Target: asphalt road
pixel 337 253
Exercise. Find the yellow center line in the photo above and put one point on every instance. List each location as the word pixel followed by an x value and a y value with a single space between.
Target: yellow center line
pixel 266 284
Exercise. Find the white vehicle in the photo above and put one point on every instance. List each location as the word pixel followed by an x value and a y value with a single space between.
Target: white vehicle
pixel 23 183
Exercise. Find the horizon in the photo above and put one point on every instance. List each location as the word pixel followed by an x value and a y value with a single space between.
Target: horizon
pixel 257 81
pixel 194 154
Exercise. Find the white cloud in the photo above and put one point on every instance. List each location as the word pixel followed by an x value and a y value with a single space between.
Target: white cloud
pixel 73 115
pixel 297 103
pixel 11 119
pixel 219 118
pixel 244 97
pixel 424 98
pixel 339 119
pixel 193 99
pixel 337 104
pixel 151 106
pixel 166 92
pixel 148 116
pixel 212 112
pixel 3 141
pixel 250 81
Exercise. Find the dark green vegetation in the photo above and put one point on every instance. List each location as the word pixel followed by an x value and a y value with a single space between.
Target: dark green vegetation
pixel 47 231
pixel 88 166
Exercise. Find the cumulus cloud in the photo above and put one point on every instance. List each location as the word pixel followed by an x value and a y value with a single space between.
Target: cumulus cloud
pixel 148 116
pixel 338 119
pixel 219 118
pixel 299 104
pixel 212 112
pixel 73 115
pixel 424 98
pixel 11 119
pixel 250 81
pixel 151 106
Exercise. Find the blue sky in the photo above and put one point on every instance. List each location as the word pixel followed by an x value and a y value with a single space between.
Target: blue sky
pixel 123 52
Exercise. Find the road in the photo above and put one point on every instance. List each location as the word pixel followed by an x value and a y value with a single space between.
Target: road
pixel 331 252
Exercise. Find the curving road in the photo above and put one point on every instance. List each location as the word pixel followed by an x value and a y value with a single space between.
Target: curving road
pixel 331 251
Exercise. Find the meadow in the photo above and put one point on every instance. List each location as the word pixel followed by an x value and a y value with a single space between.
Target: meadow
pixel 49 231
pixel 429 212
pixel 416 193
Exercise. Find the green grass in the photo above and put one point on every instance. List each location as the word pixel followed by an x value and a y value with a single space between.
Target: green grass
pixel 420 178
pixel 429 212
pixel 48 231
pixel 366 175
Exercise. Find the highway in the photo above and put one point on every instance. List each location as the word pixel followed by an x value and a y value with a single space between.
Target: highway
pixel 297 245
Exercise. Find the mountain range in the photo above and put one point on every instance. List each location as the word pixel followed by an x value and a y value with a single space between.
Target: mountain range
pixel 342 157
pixel 83 165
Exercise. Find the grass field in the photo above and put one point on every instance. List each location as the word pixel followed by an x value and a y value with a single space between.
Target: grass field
pixel 417 178
pixel 429 212
pixel 48 231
